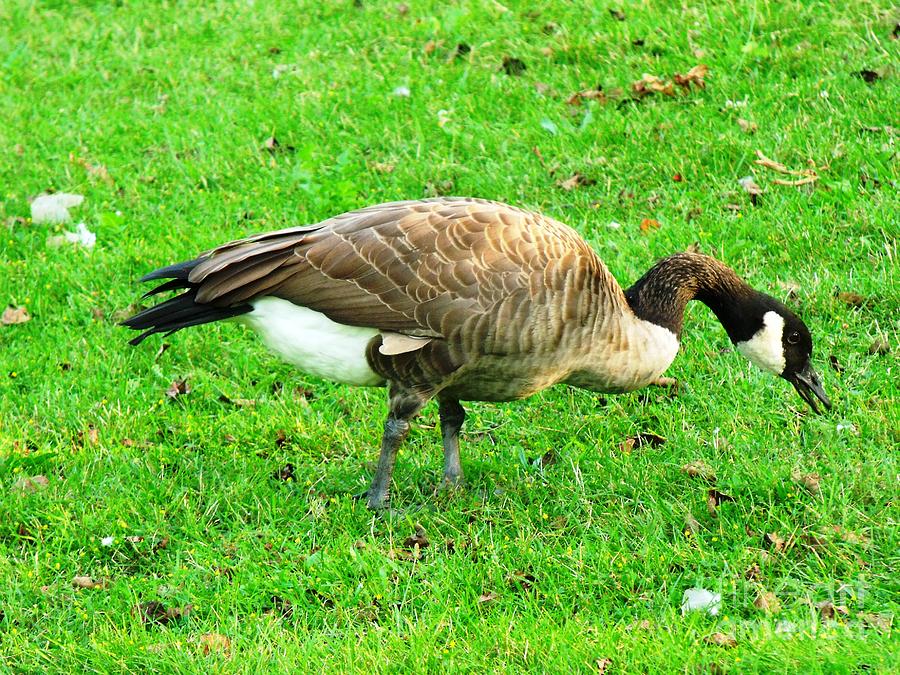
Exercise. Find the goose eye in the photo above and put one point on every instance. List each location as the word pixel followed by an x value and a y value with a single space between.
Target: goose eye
pixel 794 338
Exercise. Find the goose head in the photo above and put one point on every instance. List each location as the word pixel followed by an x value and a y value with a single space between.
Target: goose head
pixel 776 340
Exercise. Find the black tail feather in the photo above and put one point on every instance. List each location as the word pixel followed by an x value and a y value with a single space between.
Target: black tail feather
pixel 181 311
pixel 177 271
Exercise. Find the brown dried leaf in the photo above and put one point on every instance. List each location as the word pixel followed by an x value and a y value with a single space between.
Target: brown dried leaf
pixel 880 622
pixel 691 526
pixel 603 664
pixel 405 554
pixel 747 126
pixel 721 640
pixel 155 612
pixel 576 180
pixel 750 187
pixel 587 95
pixel 700 469
pixel 694 76
pixel 88 582
pixel 25 484
pixel 714 499
pixel 868 75
pixel 178 388
pixel 808 481
pixel 775 542
pixel 14 315
pixel 767 602
pixel 649 223
pixel 418 540
pixel 850 536
pixel 651 84
pixel 285 473
pixel 640 440
pixel 852 299
pixel 522 580
pixel 214 643
pixel 486 598
pixel 513 66
pixel 879 346
pixel 828 610
pixel 383 167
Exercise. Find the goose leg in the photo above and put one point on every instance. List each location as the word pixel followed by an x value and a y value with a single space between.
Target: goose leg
pixel 403 407
pixel 452 417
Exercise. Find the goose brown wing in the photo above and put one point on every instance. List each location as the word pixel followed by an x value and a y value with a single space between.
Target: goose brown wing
pixel 418 267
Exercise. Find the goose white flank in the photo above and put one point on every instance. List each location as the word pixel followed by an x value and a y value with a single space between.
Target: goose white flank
pixel 460 299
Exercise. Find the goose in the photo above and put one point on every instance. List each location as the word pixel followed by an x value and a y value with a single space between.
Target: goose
pixel 464 299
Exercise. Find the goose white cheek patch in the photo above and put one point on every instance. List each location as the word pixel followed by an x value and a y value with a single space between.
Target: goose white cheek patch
pixel 765 349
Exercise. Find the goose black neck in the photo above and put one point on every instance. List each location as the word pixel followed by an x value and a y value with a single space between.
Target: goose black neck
pixel 661 295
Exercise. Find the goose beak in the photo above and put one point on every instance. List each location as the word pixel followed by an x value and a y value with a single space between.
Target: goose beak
pixel 809 386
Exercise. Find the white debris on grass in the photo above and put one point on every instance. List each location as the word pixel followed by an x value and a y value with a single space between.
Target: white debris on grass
pixel 82 236
pixel 54 208
pixel 402 92
pixel 696 599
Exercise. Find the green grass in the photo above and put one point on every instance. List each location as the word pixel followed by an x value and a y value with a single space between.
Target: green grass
pixel 176 99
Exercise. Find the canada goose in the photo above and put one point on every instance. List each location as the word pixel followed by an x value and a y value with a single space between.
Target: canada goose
pixel 466 299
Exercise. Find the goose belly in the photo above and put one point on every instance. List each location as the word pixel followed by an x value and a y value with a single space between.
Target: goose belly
pixel 312 342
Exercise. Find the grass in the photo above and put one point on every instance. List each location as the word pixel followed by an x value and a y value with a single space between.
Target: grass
pixel 530 567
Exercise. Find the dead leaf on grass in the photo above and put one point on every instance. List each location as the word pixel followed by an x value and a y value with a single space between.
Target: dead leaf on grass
pixel 828 610
pixel 273 146
pixel 700 469
pixel 751 188
pixel 592 95
pixel 214 643
pixel 714 499
pixel 850 536
pixel 693 77
pixel 487 598
pixel 575 181
pixel 753 573
pixel 280 607
pixel 808 481
pixel 285 473
pixel 868 75
pixel 852 299
pixel 721 640
pixel 521 580
pixel 155 612
pixel 767 602
pixel 747 126
pixel 651 84
pixel 88 582
pixel 14 315
pixel 880 622
pixel 178 388
pixel 648 224
pixel 879 346
pixel 640 440
pixel 513 66
pixel 691 526
pixel 775 542
pixel 602 665
pixel 417 540
pixel 32 484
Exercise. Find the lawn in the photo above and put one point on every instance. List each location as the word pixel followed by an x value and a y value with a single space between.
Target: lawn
pixel 216 525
